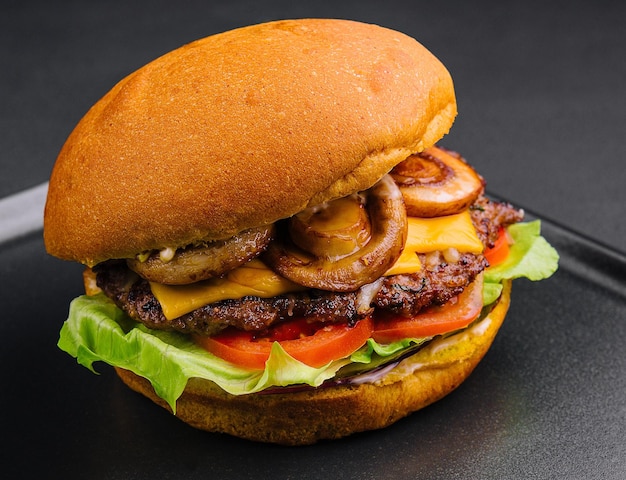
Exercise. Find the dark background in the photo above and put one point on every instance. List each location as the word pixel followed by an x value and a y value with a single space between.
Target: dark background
pixel 541 88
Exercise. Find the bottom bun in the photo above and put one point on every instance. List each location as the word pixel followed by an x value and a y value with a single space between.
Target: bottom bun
pixel 307 416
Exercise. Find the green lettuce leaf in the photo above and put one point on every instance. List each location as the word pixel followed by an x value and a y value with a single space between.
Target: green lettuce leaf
pixel 96 330
pixel 530 256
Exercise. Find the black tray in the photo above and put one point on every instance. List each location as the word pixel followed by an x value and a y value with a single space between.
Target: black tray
pixel 548 400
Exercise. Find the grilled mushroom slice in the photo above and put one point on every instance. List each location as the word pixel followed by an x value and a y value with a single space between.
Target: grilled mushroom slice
pixel 345 244
pixel 332 230
pixel 195 263
pixel 437 182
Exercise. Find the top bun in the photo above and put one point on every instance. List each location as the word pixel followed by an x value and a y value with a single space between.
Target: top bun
pixel 239 130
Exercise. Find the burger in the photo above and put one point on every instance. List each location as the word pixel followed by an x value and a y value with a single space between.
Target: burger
pixel 276 246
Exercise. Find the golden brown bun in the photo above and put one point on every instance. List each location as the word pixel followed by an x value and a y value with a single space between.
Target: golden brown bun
pixel 306 417
pixel 240 129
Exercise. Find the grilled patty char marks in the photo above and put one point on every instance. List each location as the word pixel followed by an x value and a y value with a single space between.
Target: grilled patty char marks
pixel 404 294
pixel 133 295
pixel 488 216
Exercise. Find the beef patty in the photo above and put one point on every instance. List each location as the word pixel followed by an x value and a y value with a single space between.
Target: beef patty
pixel 437 282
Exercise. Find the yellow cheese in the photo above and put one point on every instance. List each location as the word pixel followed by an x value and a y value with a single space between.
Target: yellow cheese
pixel 408 262
pixel 254 278
pixel 452 231
pixel 432 234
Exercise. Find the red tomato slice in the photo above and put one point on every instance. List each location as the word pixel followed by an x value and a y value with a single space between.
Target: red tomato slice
pixel 499 251
pixel 457 313
pixel 313 346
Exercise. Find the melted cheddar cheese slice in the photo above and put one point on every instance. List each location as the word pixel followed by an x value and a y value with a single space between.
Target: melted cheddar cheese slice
pixel 254 278
pixel 436 234
pixel 452 231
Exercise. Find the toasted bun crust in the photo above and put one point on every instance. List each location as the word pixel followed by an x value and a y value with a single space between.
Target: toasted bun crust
pixel 306 417
pixel 241 129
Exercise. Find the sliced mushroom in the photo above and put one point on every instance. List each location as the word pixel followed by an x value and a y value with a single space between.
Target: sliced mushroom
pixel 302 259
pixel 332 230
pixel 437 182
pixel 196 263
